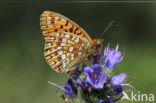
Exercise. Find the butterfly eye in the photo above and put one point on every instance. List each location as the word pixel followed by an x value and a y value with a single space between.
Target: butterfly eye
pixel 98 42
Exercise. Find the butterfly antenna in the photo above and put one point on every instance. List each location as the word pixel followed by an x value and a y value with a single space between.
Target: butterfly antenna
pixel 110 24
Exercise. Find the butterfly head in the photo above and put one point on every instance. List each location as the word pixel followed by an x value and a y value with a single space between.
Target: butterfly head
pixel 98 42
pixel 97 45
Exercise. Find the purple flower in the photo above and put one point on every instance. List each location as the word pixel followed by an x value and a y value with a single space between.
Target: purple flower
pixel 118 89
pixel 94 77
pixel 108 101
pixel 102 101
pixel 76 74
pixel 97 59
pixel 119 79
pixel 83 85
pixel 112 57
pixel 70 89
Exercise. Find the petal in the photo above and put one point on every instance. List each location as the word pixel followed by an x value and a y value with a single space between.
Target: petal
pixel 112 58
pixel 90 81
pixel 99 58
pixel 116 63
pixel 118 89
pixel 105 57
pixel 102 101
pixel 84 85
pixel 70 88
pixel 67 87
pixel 110 50
pixel 70 81
pixel 96 68
pixel 108 64
pixel 117 54
pixel 119 79
pixel 108 101
pixel 108 55
pixel 76 74
pixel 101 80
pixel 88 71
pixel 67 90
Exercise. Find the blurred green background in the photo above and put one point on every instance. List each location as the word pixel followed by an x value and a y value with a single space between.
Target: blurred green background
pixel 24 73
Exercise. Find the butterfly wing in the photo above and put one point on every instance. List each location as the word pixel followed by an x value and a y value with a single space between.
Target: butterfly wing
pixel 63 51
pixel 67 44
pixel 52 22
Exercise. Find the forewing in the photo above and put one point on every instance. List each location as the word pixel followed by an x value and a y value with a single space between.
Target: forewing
pixel 63 51
pixel 52 22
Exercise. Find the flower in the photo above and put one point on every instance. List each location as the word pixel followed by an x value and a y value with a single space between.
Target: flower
pixel 112 57
pixel 97 59
pixel 108 101
pixel 94 77
pixel 98 82
pixel 70 89
pixel 101 101
pixel 119 79
pixel 84 85
pixel 76 74
pixel 118 89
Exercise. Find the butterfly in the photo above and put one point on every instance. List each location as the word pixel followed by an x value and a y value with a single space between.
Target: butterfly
pixel 67 45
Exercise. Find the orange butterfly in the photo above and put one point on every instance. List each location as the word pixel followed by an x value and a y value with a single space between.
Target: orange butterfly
pixel 67 45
